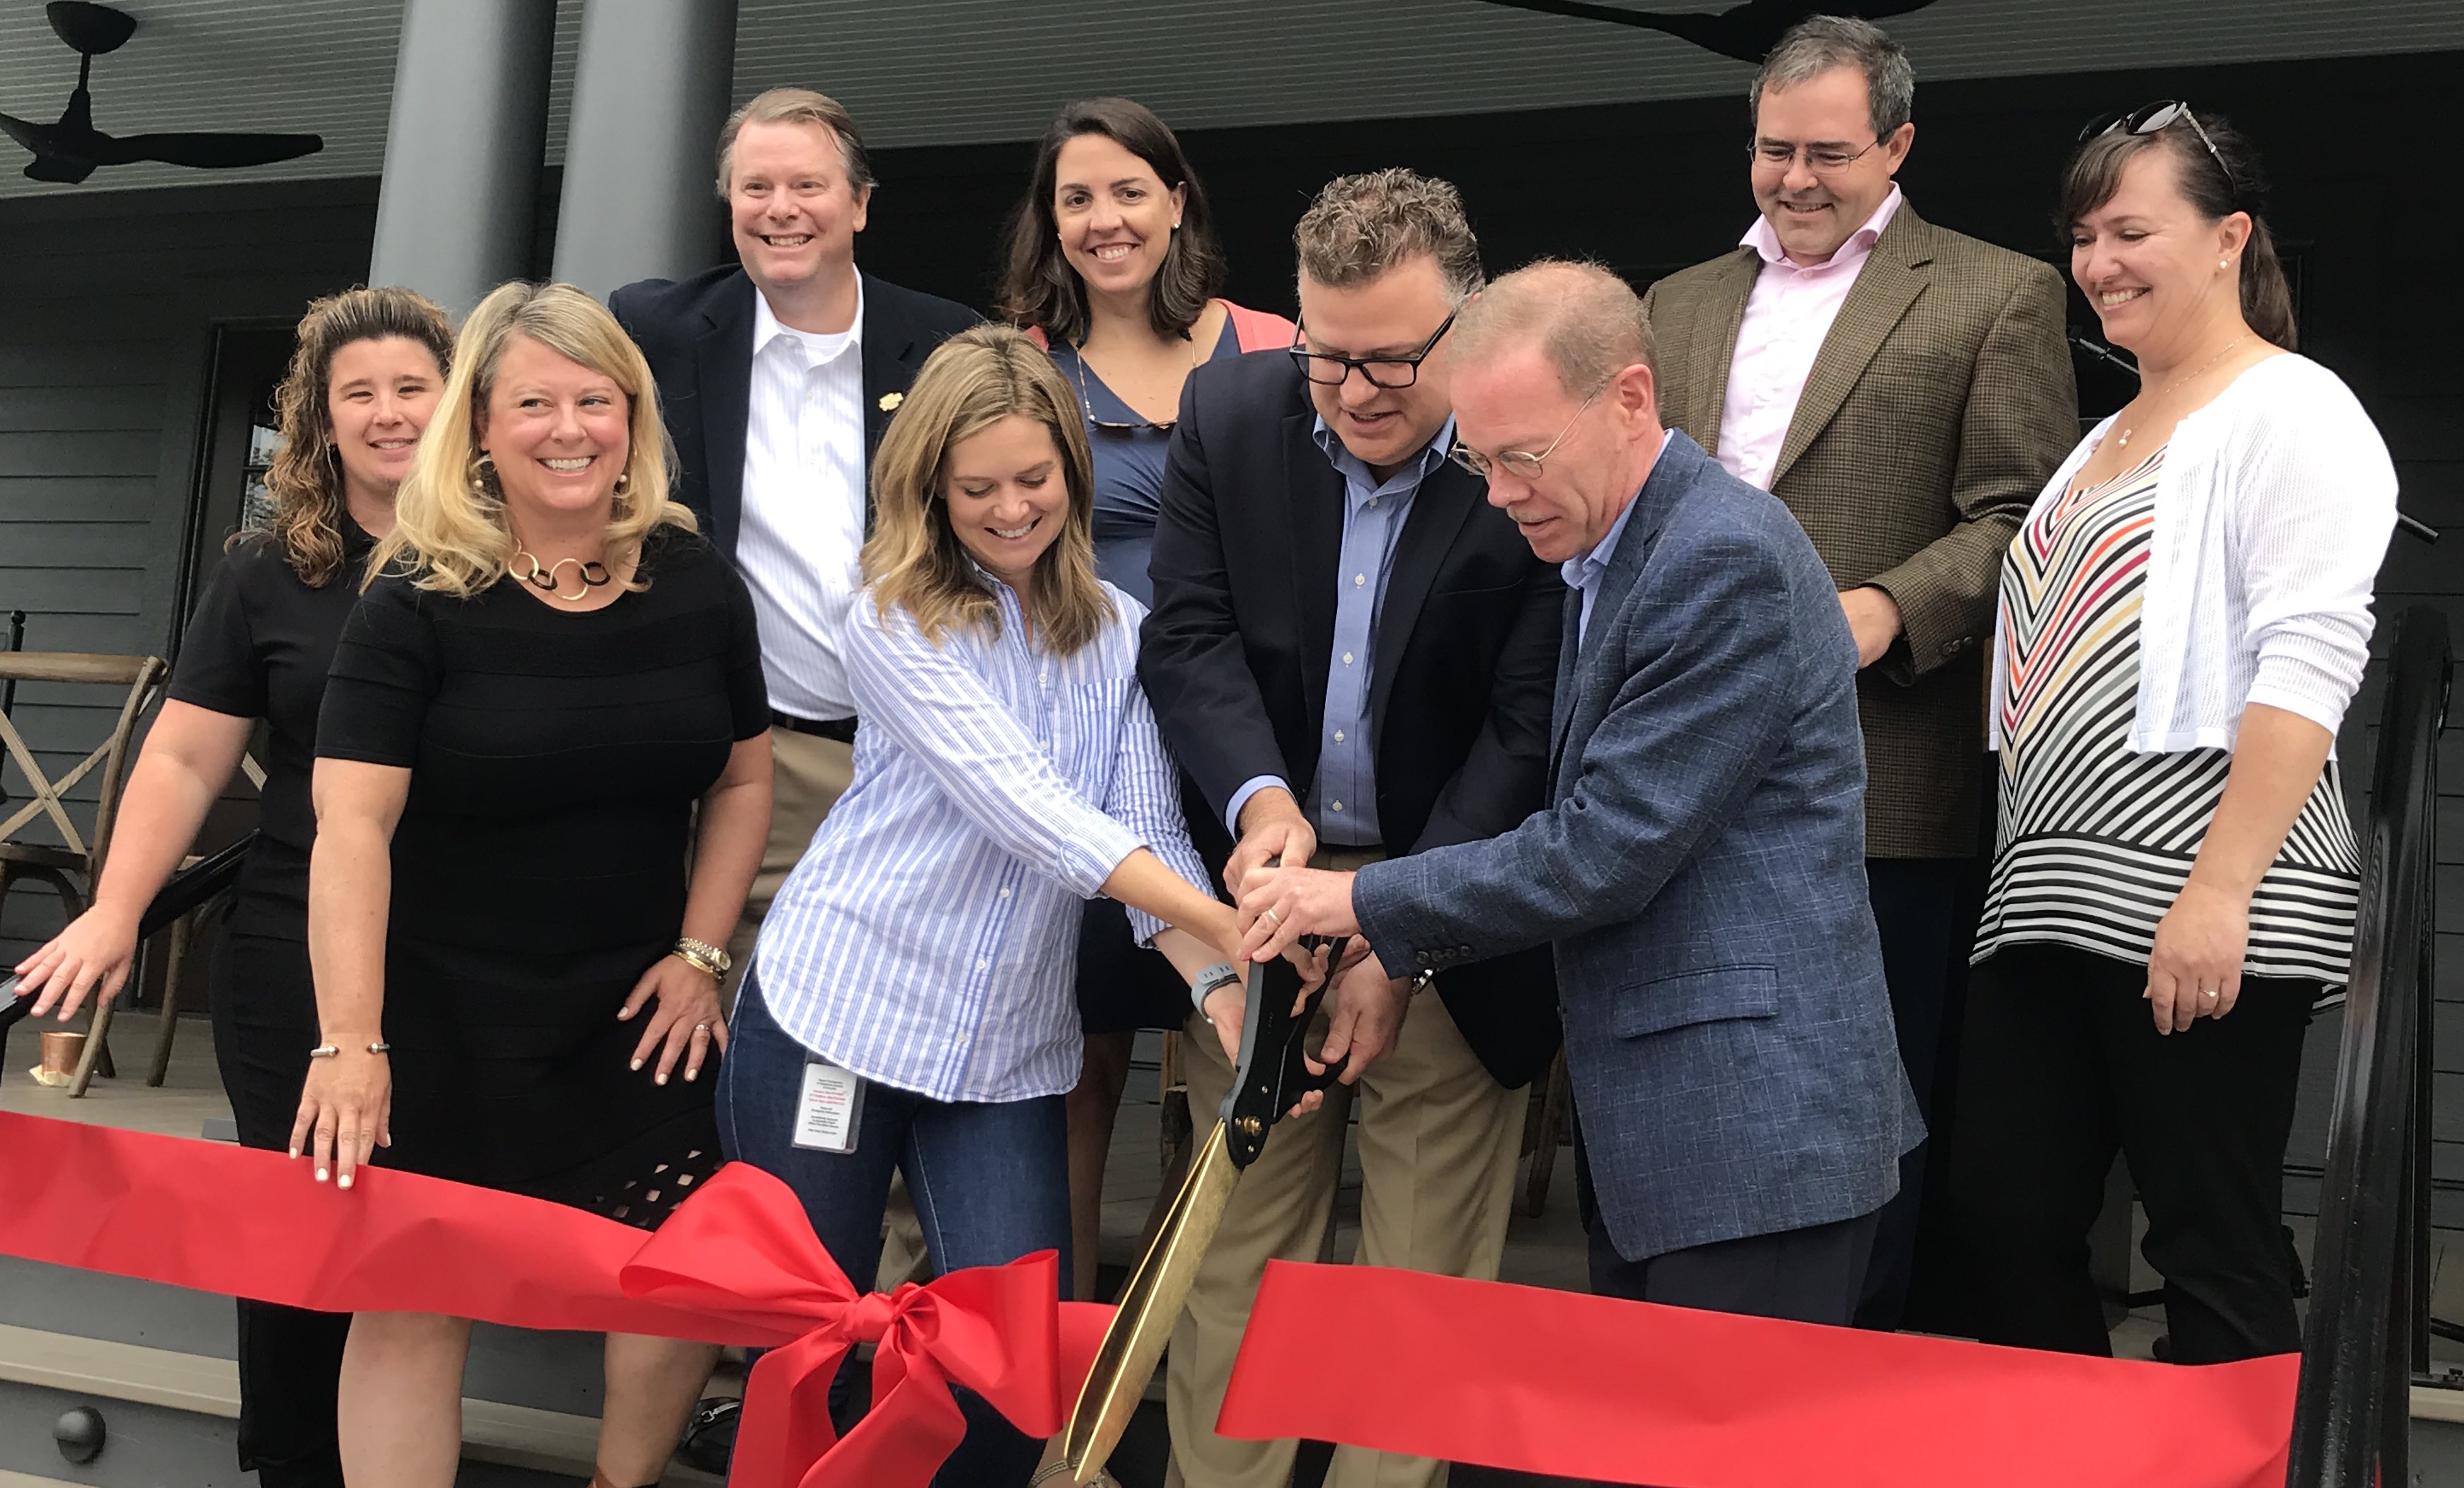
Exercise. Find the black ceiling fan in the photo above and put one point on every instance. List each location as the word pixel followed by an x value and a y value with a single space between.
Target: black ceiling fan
pixel 69 150
pixel 1745 31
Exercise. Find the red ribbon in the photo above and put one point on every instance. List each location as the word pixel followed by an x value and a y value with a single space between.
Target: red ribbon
pixel 737 1263
pixel 1587 1386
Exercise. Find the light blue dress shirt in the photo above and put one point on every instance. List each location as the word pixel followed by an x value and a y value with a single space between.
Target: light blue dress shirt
pixel 927 939
pixel 1584 571
pixel 1342 805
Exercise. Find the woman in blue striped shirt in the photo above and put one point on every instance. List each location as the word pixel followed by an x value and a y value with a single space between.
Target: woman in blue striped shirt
pixel 909 1004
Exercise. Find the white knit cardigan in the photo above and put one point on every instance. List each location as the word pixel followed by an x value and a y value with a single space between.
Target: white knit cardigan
pixel 2272 512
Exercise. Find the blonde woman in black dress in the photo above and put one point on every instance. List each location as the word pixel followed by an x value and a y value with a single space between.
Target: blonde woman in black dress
pixel 517 981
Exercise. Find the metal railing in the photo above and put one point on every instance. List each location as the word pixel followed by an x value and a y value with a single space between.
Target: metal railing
pixel 2368 1329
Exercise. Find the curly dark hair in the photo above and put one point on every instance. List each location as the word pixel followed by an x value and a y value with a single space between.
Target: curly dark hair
pixel 306 478
pixel 1040 289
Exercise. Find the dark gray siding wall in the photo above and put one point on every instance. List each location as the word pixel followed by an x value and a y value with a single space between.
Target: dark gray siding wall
pixel 108 305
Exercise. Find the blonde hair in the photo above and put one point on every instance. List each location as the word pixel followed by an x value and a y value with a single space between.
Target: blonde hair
pixel 449 533
pixel 306 478
pixel 796 107
pixel 914 559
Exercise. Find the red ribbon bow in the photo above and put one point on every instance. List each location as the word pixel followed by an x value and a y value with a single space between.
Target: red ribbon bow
pixel 995 1329
pixel 737 1263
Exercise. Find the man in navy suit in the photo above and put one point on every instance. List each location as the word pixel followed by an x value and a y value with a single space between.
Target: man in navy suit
pixel 1699 870
pixel 777 375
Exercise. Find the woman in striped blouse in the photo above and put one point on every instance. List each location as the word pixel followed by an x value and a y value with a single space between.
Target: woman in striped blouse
pixel 2185 617
pixel 909 1003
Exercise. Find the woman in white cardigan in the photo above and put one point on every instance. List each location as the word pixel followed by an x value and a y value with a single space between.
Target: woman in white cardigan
pixel 2185 617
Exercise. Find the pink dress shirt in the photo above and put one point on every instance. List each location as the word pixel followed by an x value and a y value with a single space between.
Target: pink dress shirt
pixel 1786 317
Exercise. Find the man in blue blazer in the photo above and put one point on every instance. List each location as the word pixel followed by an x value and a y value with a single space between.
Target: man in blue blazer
pixel 1700 871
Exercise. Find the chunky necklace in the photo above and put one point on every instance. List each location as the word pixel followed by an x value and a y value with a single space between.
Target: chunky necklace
pixel 545 577
pixel 2123 442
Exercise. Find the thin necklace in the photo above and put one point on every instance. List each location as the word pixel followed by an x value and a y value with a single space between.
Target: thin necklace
pixel 1088 404
pixel 545 577
pixel 2123 442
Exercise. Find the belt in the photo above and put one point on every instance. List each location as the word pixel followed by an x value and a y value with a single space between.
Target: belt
pixel 840 730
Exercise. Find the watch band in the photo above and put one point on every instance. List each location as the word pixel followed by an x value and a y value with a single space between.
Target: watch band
pixel 1221 974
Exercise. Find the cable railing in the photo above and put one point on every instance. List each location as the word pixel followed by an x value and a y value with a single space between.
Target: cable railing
pixel 2368 1331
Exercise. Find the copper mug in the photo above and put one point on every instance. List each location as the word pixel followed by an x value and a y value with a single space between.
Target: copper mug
pixel 60 1052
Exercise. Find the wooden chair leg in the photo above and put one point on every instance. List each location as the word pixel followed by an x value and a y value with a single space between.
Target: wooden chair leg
pixel 1173 1081
pixel 173 962
pixel 1553 1099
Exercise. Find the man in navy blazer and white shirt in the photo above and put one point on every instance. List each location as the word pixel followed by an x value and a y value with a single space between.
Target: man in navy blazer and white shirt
pixel 1699 870
pixel 777 375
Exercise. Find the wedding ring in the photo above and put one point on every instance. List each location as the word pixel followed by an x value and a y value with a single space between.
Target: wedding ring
pixel 701 1028
pixel 1276 918
pixel 2209 991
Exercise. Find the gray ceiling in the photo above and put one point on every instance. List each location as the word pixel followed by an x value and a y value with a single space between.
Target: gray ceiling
pixel 929 72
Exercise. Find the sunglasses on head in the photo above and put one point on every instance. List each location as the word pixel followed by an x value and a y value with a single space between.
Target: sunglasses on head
pixel 2155 119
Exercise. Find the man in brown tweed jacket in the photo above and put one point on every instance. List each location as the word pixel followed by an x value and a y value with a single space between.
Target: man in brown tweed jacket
pixel 1905 390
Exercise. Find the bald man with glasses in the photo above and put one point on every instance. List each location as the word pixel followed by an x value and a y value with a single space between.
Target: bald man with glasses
pixel 1905 391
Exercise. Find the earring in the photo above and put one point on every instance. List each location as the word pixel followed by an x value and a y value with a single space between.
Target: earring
pixel 482 477
pixel 623 482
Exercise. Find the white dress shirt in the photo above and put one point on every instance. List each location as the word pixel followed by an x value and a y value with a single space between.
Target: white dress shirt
pixel 929 936
pixel 1787 315
pixel 802 524
pixel 2272 512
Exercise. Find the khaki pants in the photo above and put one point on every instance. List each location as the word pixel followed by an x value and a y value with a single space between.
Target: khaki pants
pixel 807 776
pixel 1439 1141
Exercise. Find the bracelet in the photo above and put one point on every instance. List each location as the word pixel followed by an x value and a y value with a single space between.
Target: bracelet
pixel 329 1051
pixel 702 956
pixel 1219 974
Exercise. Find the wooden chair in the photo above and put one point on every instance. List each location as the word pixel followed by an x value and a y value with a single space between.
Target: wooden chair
pixel 78 854
pixel 1544 1128
pixel 183 932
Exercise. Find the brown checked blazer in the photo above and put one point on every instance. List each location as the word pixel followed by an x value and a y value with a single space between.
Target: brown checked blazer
pixel 1940 404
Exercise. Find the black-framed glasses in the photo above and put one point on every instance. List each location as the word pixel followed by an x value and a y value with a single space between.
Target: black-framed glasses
pixel 1523 465
pixel 2155 119
pixel 1329 370
pixel 1822 159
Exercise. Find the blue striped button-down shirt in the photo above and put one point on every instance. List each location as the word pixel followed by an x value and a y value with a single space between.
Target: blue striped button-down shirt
pixel 928 937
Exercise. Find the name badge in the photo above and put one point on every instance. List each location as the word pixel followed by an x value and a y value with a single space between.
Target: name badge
pixel 828 1108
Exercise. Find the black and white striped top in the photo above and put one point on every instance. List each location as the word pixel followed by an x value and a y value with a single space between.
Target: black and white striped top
pixel 2095 841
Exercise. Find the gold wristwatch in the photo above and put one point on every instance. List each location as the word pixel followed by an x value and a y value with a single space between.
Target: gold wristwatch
pixel 702 956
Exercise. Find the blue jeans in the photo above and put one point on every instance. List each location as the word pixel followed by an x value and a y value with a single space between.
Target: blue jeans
pixel 990 1181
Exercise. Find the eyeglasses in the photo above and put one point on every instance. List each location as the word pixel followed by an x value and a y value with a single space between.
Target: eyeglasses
pixel 1521 463
pixel 1114 425
pixel 1822 159
pixel 2155 119
pixel 1329 370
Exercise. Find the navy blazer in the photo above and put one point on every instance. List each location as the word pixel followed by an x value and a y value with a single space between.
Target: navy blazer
pixel 1236 652
pixel 697 334
pixel 1700 873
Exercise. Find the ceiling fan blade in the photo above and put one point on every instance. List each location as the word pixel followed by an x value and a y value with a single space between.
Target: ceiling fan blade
pixel 211 152
pixel 26 133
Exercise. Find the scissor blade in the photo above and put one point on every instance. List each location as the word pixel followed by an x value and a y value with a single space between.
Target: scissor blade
pixel 1150 1306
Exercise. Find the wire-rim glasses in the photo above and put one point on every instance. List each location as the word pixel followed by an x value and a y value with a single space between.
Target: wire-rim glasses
pixel 1822 159
pixel 1404 370
pixel 1522 464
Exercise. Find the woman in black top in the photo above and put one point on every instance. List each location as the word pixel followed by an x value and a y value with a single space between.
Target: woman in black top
pixel 549 676
pixel 363 380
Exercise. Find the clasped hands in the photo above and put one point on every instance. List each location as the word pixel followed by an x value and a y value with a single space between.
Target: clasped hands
pixel 1280 899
